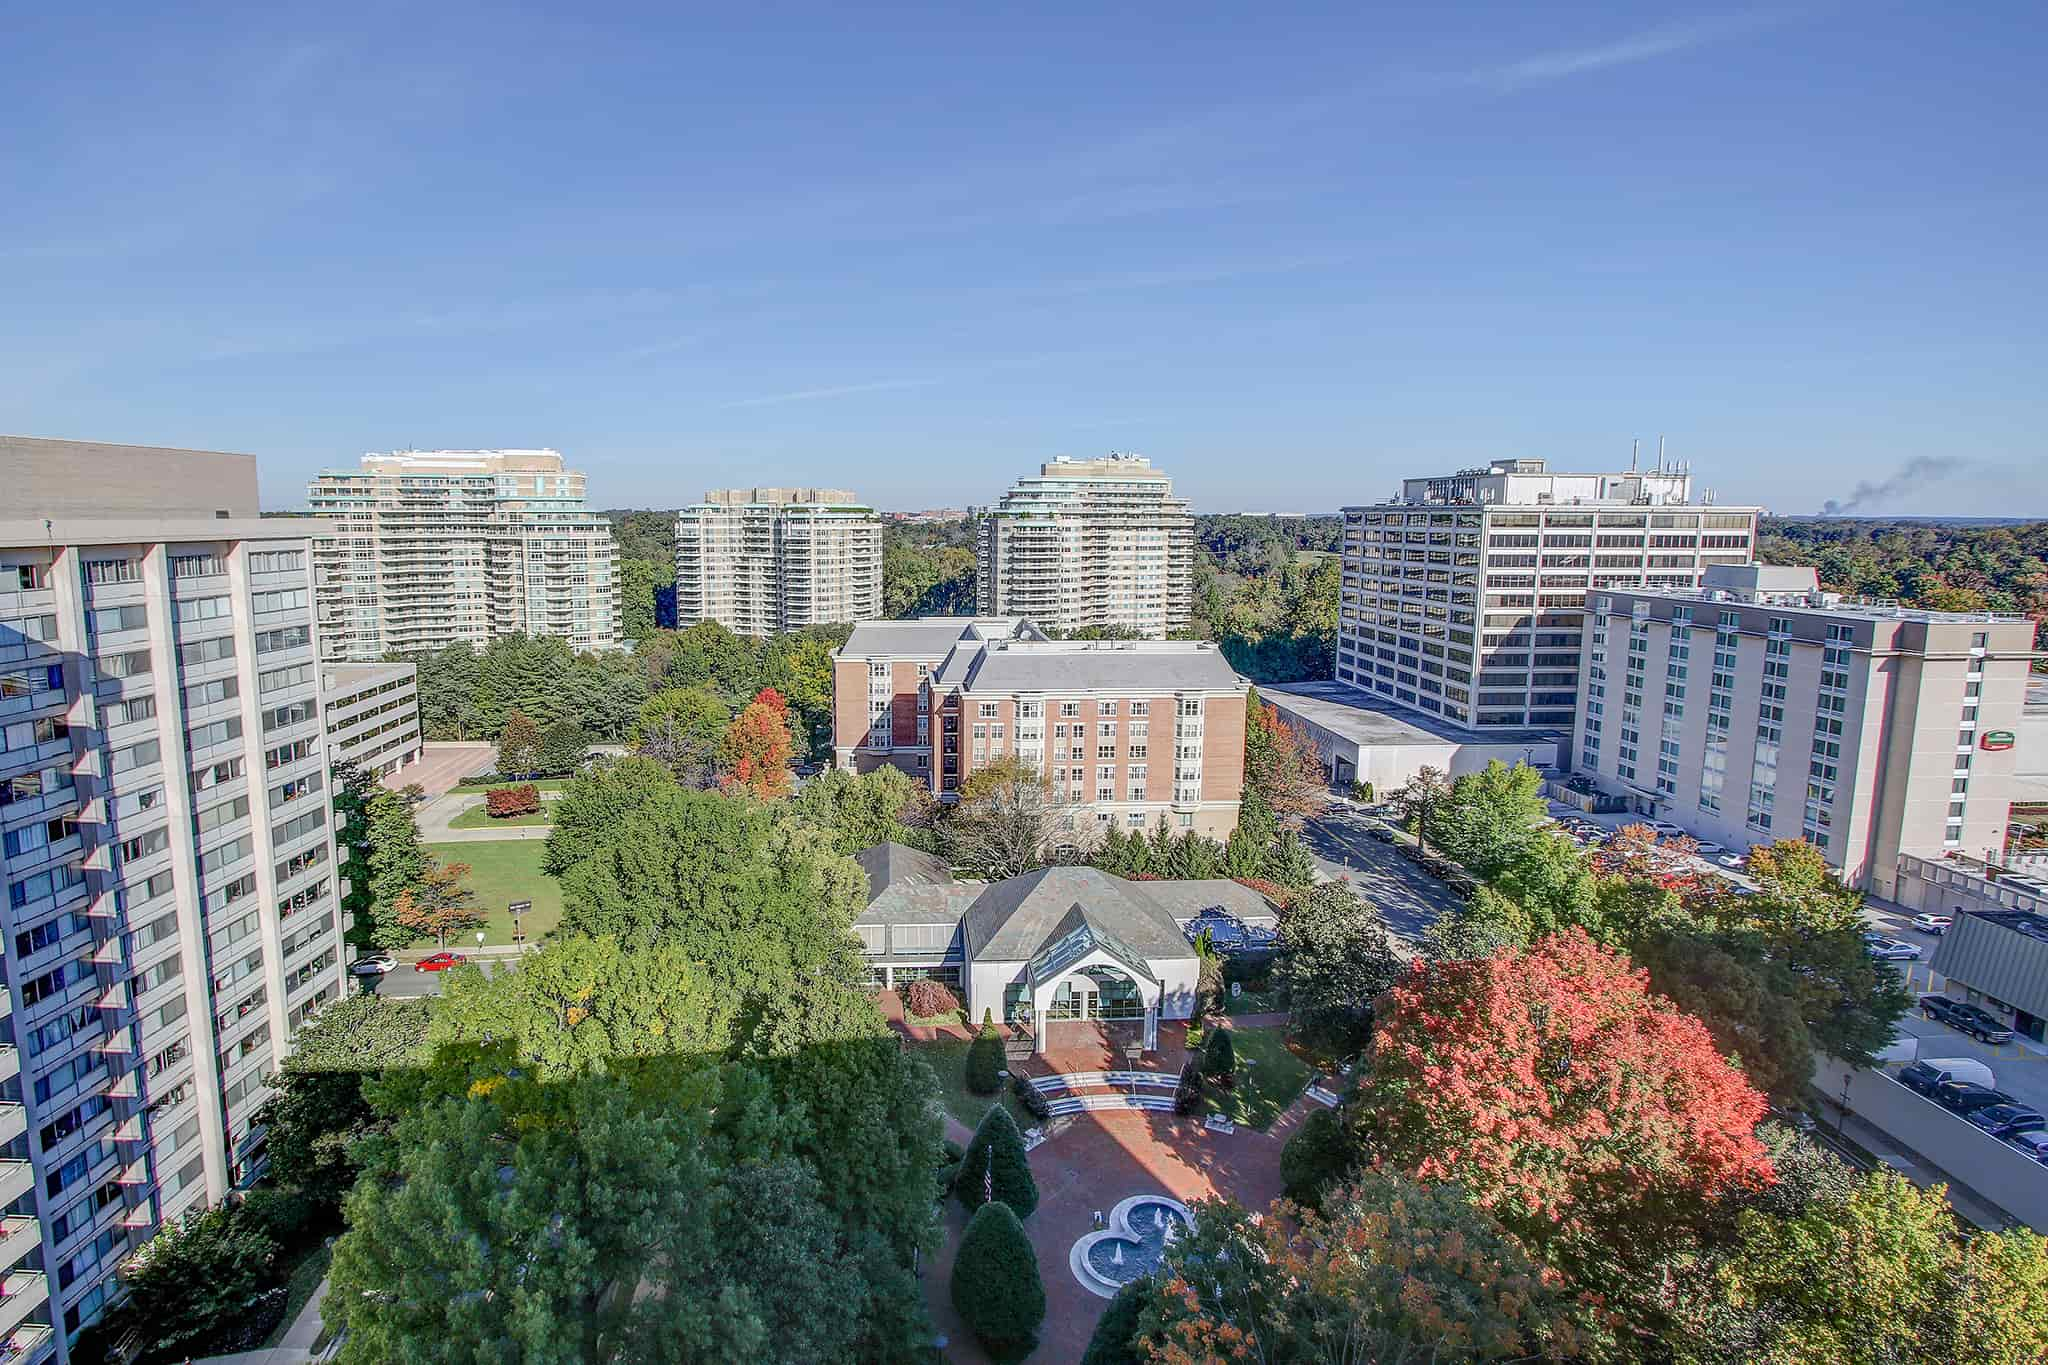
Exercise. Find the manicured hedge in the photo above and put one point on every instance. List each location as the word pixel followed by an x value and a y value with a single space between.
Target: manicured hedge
pixel 503 802
pixel 1027 1094
pixel 996 1285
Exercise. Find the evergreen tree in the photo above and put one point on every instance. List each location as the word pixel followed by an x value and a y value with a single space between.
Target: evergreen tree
pixel 1288 862
pixel 398 863
pixel 518 745
pixel 1219 1055
pixel 354 788
pixel 562 747
pixel 995 1159
pixel 1165 849
pixel 996 1285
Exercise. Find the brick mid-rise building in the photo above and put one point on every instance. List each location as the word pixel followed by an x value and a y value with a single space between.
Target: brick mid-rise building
pixel 1126 732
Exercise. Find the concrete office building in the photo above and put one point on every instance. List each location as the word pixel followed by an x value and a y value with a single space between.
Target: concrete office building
pixel 1465 596
pixel 373 715
pixel 1126 732
pixel 429 548
pixel 1089 543
pixel 168 859
pixel 1758 707
pixel 763 560
pixel 1361 738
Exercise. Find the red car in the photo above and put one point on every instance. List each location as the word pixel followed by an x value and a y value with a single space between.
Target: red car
pixel 440 962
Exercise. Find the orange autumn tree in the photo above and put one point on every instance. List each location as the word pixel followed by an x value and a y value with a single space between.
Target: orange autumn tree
pixel 755 754
pixel 1561 1095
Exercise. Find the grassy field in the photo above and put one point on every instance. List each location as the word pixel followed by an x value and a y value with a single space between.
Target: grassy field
pixel 1267 1086
pixel 948 1057
pixel 546 784
pixel 477 817
pixel 505 872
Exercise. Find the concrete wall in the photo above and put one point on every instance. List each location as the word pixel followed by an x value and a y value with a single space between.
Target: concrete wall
pixel 2000 1174
pixel 46 478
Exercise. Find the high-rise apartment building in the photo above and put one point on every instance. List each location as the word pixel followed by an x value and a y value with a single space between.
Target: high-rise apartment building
pixel 1466 597
pixel 429 548
pixel 170 914
pixel 1089 543
pixel 1758 707
pixel 1125 732
pixel 762 560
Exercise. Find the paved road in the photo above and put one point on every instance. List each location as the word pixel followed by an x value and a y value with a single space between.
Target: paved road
pixel 1408 897
pixel 406 981
pixel 434 814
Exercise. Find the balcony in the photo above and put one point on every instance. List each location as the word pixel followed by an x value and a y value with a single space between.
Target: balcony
pixel 22 1291
pixel 32 1344
pixel 13 1122
pixel 10 1064
pixel 18 1237
pixel 17 1178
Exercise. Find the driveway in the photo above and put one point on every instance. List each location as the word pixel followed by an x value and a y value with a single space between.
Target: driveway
pixel 1409 898
pixel 434 814
pixel 442 765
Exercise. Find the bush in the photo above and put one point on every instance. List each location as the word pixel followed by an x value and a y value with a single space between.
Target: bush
pixel 1187 1096
pixel 949 1169
pixel 502 802
pixel 1027 1094
pixel 1116 1331
pixel 996 1286
pixel 1219 1057
pixel 996 1156
pixel 1361 791
pixel 985 1059
pixel 929 999
pixel 1315 1158
pixel 1209 986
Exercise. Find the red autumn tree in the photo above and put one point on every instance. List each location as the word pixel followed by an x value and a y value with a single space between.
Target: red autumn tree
pixel 757 747
pixel 1558 1091
pixel 1282 765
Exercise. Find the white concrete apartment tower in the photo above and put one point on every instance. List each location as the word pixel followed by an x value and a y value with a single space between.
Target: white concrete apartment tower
pixel 763 560
pixel 1466 596
pixel 170 913
pixel 430 548
pixel 1089 543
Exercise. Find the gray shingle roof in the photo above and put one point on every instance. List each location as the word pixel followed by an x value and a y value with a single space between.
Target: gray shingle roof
pixel 1186 900
pixel 889 864
pixel 1013 919
pixel 927 637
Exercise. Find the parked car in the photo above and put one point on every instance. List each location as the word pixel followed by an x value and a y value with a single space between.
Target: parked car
pixel 2033 1142
pixel 1964 1017
pixel 1966 1097
pixel 376 964
pixel 440 962
pixel 1933 924
pixel 1379 832
pixel 1731 859
pixel 1711 850
pixel 1929 1074
pixel 1891 949
pixel 2007 1120
pixel 1665 829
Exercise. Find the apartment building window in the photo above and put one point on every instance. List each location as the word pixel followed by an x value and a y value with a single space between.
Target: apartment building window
pixel 1070 709
pixel 277 561
pixel 99 571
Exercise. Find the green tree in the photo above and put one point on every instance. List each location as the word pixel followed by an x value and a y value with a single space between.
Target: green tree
pixel 861 810
pixel 446 687
pixel 562 747
pixel 354 788
pixel 1288 862
pixel 442 903
pixel 1006 821
pixel 1316 1157
pixel 522 673
pixel 1488 818
pixel 1335 958
pixel 518 745
pixel 996 1286
pixel 798 664
pixel 398 863
pixel 682 729
pixel 318 1108
pixel 1420 796
pixel 195 1276
pixel 1750 1007
pixel 995 1160
pixel 639 579
pixel 1219 1055
pixel 596 804
pixel 1115 1339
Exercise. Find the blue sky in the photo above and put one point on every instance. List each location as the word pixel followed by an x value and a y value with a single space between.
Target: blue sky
pixel 1291 253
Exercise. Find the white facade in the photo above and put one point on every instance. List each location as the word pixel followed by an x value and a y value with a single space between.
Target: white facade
pixel 373 715
pixel 1089 543
pixel 1465 598
pixel 432 548
pixel 169 863
pixel 763 560
pixel 1759 708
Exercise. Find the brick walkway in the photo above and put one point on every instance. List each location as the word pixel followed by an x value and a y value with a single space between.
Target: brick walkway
pixel 1098 1159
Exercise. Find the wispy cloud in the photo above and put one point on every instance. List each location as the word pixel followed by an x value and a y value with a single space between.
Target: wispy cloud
pixel 1564 63
pixel 833 391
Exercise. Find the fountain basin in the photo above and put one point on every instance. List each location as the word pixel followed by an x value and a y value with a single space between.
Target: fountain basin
pixel 1139 1230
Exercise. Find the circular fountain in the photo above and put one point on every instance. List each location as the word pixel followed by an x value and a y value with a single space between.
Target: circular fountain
pixel 1140 1229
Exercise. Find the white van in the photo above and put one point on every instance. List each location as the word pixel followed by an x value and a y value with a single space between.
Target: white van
pixel 1930 1072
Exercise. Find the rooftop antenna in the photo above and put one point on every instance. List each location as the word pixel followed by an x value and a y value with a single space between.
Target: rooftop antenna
pixel 1660 454
pixel 1634 447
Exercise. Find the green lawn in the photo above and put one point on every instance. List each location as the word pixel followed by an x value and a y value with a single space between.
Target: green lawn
pixel 305 1278
pixel 1272 1081
pixel 501 873
pixel 479 817
pixel 948 1057
pixel 546 784
pixel 1251 1002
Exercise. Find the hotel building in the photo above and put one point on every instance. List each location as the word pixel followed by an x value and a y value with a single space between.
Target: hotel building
pixel 429 548
pixel 1089 543
pixel 1758 707
pixel 763 560
pixel 1466 597
pixel 168 857
pixel 1125 732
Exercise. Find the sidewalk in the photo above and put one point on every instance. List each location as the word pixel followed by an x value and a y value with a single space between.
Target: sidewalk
pixel 295 1349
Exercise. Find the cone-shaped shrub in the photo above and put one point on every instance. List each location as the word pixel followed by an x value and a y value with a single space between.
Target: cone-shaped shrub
pixel 997 1156
pixel 996 1287
pixel 1219 1055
